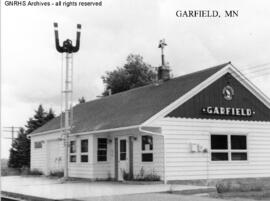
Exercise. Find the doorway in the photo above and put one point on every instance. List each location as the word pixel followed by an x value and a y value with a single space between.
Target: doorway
pixel 54 156
pixel 123 157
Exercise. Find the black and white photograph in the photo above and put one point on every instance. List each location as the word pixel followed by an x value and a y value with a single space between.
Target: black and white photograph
pixel 130 100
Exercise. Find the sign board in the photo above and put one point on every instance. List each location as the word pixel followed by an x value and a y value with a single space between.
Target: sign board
pixel 228 111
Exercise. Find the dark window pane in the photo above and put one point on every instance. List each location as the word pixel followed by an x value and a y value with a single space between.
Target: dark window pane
pixel 147 142
pixel 84 146
pixel 38 145
pixel 123 146
pixel 84 158
pixel 72 158
pixel 102 149
pixel 238 142
pixel 102 140
pixel 102 152
pixel 102 158
pixel 219 156
pixel 102 146
pixel 123 156
pixel 219 142
pixel 147 157
pixel 72 148
pixel 239 156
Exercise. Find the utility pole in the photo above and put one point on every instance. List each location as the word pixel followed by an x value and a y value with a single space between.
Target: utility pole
pixel 69 49
pixel 12 130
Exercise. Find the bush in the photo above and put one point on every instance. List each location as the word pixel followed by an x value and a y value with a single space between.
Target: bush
pixel 57 173
pixel 9 171
pixel 239 186
pixel 147 177
pixel 127 176
pixel 35 172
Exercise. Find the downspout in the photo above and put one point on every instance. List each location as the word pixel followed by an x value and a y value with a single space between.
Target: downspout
pixel 164 161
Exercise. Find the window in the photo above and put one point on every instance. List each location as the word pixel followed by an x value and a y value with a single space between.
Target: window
pixel 147 148
pixel 228 147
pixel 102 149
pixel 239 147
pixel 72 151
pixel 84 150
pixel 123 150
pixel 38 145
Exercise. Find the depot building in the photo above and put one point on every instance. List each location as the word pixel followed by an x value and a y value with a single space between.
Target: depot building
pixel 210 124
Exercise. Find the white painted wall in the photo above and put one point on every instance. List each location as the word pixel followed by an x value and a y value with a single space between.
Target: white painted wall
pixel 39 157
pixel 82 169
pixel 158 157
pixel 181 164
pixel 104 169
pixel 94 169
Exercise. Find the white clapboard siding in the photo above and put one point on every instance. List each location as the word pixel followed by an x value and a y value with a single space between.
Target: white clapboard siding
pixel 157 166
pixel 82 169
pixel 103 169
pixel 39 157
pixel 181 164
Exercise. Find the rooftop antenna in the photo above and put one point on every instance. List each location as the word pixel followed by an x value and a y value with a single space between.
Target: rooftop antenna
pixel 163 73
pixel 161 45
pixel 68 49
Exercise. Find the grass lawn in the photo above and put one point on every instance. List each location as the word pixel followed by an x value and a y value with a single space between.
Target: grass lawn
pixel 6 171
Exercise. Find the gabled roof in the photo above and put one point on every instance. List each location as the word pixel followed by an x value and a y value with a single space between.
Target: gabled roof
pixel 132 107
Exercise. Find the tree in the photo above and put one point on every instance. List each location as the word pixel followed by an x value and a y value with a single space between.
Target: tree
pixel 20 151
pixel 81 100
pixel 135 73
pixel 20 148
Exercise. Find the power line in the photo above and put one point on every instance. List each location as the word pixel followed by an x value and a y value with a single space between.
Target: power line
pixel 260 75
pixel 257 66
pixel 11 130
pixel 257 71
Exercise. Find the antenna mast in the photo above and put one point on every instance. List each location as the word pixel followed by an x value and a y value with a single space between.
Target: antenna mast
pixel 68 49
pixel 161 45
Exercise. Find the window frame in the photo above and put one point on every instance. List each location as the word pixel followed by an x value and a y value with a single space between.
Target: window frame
pixel 229 151
pixel 102 149
pixel 150 151
pixel 74 154
pixel 84 153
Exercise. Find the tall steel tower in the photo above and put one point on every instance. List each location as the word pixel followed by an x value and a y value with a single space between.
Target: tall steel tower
pixel 67 90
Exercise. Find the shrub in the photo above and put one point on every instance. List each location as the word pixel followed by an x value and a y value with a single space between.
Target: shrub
pixel 35 172
pixel 57 173
pixel 127 176
pixel 240 186
pixel 147 177
pixel 25 170
pixel 6 171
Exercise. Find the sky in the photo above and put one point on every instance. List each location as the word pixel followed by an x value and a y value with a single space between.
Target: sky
pixel 31 66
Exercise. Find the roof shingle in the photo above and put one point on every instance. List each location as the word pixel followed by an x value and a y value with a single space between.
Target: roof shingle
pixel 132 107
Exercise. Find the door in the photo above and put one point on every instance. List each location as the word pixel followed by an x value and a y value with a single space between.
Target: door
pixel 123 159
pixel 54 156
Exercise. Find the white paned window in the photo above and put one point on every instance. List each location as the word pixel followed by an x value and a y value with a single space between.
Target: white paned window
pixel 229 148
pixel 84 150
pixel 72 152
pixel 147 148
pixel 102 149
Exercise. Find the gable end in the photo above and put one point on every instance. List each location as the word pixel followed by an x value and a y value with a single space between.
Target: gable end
pixel 226 98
